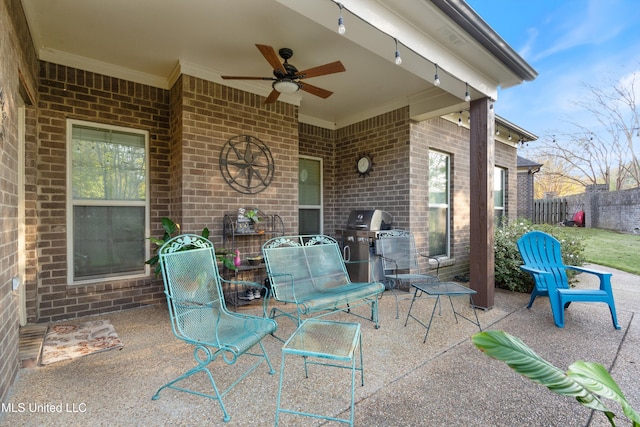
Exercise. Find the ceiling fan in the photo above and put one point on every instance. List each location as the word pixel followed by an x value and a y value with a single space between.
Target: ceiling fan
pixel 287 78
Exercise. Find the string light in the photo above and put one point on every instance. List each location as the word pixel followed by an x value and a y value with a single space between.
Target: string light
pixel 398 57
pixel 341 28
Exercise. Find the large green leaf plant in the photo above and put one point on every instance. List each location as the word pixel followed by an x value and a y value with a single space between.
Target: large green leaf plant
pixel 172 229
pixel 587 382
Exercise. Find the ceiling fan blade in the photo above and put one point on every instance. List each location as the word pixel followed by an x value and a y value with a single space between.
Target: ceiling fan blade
pixel 322 70
pixel 246 78
pixel 315 90
pixel 273 96
pixel 271 56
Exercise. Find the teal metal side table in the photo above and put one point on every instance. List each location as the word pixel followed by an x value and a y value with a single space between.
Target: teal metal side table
pixel 448 289
pixel 334 342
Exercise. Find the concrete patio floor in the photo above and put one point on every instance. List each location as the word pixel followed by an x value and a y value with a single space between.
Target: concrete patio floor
pixel 446 381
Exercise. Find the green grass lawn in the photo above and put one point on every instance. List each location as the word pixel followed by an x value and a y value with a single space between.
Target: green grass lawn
pixel 611 249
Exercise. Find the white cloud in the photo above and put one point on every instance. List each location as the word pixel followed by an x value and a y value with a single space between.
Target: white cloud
pixel 532 36
pixel 574 25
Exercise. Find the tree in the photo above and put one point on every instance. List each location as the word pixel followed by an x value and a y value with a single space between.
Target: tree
pixel 617 110
pixel 605 152
pixel 556 178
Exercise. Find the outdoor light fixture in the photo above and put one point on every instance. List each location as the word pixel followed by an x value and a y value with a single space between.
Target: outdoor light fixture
pixel 398 58
pixel 497 131
pixel 460 119
pixel 509 136
pixel 286 86
pixel 341 28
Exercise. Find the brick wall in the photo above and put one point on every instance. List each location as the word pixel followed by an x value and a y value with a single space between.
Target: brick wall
pixel 386 139
pixel 610 210
pixel 67 93
pixel 442 135
pixel 18 75
pixel 615 210
pixel 211 115
pixel 525 195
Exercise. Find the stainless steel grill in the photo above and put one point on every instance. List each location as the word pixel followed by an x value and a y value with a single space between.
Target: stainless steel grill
pixel 358 241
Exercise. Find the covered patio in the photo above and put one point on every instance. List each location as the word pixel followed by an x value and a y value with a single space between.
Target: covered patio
pixel 446 381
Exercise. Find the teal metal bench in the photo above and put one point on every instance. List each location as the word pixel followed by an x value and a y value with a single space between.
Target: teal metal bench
pixel 309 273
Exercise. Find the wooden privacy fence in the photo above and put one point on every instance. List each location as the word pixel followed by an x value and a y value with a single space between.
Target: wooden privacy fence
pixel 550 211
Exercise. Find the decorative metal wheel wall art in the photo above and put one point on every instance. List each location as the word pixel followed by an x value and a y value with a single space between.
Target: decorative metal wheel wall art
pixel 246 164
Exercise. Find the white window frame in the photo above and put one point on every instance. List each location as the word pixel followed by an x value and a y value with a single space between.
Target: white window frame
pixel 444 205
pixel 500 176
pixel 71 203
pixel 319 207
pixel 22 233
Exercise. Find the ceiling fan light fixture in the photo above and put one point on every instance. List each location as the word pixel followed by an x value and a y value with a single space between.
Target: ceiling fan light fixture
pixel 286 86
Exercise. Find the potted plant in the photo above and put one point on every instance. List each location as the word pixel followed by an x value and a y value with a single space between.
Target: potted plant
pixel 172 229
pixel 254 216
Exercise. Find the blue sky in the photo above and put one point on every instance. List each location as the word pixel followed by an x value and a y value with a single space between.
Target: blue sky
pixel 567 42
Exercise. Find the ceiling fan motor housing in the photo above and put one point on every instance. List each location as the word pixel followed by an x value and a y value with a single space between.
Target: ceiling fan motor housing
pixel 285 53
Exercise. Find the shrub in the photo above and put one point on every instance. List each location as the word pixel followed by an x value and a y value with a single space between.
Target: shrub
pixel 508 260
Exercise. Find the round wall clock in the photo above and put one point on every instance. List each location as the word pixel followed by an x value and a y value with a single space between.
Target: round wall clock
pixel 364 164
pixel 246 164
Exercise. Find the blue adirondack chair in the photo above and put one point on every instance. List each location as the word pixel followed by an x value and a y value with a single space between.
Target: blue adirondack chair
pixel 542 258
pixel 199 315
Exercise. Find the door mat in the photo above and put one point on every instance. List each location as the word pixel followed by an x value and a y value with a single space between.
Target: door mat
pixel 65 342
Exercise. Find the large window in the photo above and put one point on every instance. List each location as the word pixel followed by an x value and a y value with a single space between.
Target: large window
pixel 107 201
pixel 310 195
pixel 499 195
pixel 438 204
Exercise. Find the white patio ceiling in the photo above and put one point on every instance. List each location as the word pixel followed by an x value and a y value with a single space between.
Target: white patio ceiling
pixel 153 41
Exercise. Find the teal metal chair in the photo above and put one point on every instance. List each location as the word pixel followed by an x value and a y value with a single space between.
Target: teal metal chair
pixel 397 248
pixel 199 315
pixel 542 258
